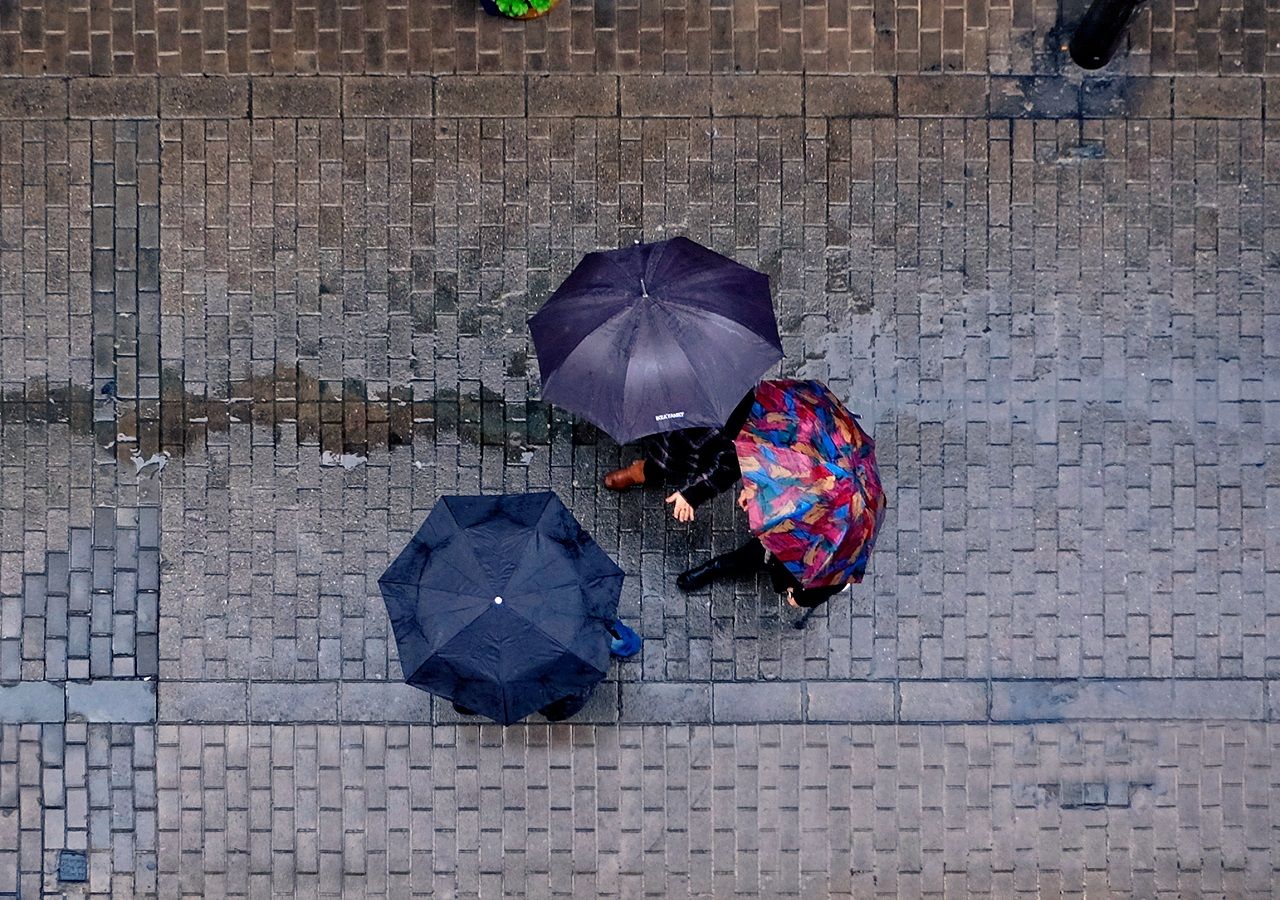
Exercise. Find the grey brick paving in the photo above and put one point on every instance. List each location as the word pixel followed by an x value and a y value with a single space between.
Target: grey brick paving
pixel 1079 486
pixel 1006 424
pixel 771 810
pixel 252 327
pixel 399 36
pixel 81 787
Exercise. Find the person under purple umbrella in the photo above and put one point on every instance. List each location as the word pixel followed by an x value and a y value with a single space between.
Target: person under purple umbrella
pixel 661 341
pixel 698 462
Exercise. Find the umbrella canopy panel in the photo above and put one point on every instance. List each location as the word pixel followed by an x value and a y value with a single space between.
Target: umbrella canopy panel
pixel 814 494
pixel 655 337
pixel 502 604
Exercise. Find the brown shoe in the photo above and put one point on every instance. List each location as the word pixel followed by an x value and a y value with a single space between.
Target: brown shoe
pixel 621 479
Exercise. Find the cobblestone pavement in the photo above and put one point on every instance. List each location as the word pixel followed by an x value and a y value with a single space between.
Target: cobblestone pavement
pixel 251 327
pixel 148 37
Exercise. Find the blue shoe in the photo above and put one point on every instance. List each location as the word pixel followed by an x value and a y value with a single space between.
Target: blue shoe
pixel 625 641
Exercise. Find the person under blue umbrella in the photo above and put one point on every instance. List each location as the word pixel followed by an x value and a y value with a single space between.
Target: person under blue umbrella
pixel 624 643
pixel 504 605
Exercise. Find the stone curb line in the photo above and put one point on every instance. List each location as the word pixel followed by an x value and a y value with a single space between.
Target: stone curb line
pixel 103 700
pixel 904 702
pixel 561 96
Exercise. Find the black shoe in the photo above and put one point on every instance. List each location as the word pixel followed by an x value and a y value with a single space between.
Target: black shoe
pixel 563 708
pixel 700 576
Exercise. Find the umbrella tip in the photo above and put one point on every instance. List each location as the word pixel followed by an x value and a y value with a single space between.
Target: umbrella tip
pixel 497 600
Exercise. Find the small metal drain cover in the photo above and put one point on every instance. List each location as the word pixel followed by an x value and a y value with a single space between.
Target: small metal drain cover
pixel 72 866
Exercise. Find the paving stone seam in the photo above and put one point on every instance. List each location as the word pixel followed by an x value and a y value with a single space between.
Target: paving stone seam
pixel 626 96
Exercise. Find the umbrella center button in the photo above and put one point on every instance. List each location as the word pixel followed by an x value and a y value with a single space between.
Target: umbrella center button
pixel 497 600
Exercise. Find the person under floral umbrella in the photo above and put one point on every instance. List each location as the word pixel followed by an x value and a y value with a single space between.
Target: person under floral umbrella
pixel 811 491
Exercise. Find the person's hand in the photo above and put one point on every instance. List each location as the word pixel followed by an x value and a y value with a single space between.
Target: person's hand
pixel 791 598
pixel 682 511
pixel 743 499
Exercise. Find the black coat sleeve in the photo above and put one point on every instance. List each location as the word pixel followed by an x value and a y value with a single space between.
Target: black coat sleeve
pixel 720 475
pixel 724 471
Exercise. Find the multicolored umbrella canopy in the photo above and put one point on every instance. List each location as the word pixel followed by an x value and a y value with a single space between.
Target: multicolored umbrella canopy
pixel 502 604
pixel 655 337
pixel 814 497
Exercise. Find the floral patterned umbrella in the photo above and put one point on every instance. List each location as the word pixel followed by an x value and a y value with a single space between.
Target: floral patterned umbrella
pixel 813 492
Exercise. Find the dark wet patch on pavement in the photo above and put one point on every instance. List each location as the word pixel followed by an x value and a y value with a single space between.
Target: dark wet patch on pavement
pixel 342 417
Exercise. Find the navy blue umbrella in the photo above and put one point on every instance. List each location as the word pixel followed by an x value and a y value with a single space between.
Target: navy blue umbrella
pixel 655 337
pixel 502 604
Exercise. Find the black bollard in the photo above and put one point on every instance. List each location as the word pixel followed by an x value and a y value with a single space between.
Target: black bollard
pixel 1101 31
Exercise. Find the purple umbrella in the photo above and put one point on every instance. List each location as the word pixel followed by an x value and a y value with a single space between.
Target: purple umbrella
pixel 655 337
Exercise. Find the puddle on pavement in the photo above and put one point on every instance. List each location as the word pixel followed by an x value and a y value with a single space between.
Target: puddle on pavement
pixel 344 418
pixel 329 459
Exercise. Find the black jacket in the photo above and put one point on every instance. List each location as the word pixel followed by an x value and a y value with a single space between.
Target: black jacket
pixel 699 462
